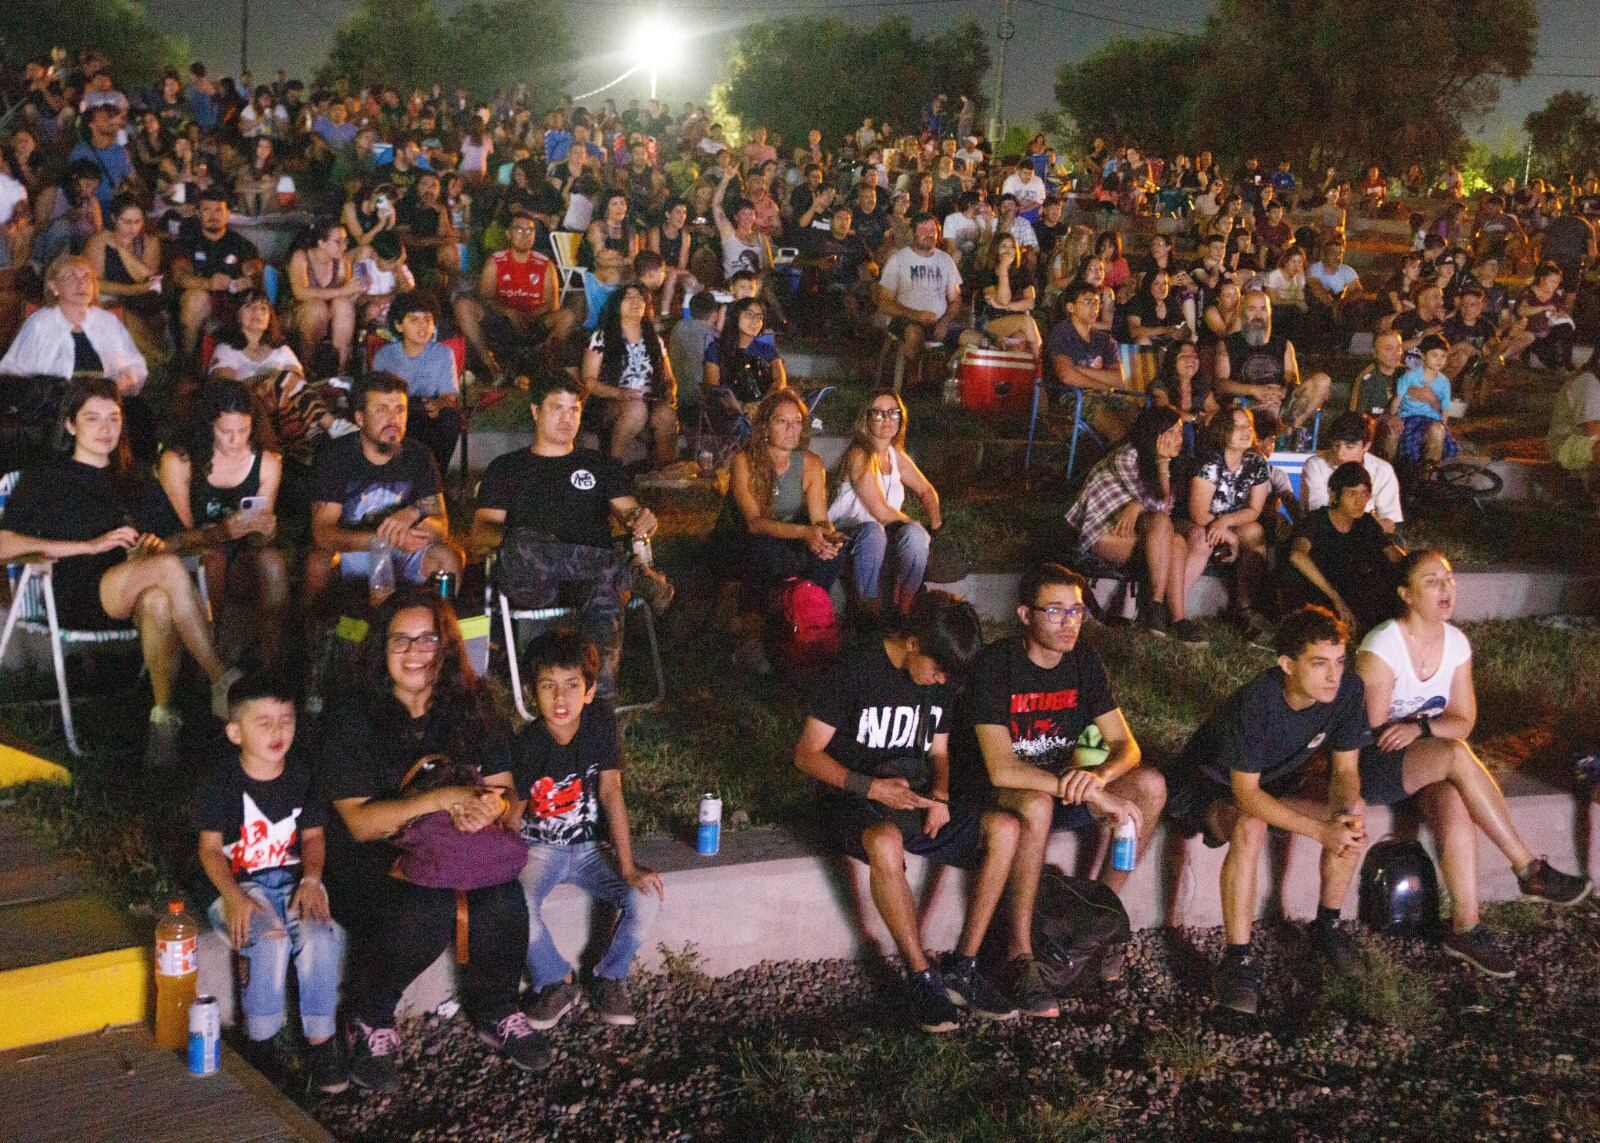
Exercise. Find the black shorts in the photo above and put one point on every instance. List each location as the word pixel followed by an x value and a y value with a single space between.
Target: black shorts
pixel 1071 817
pixel 1382 776
pixel 1191 796
pixel 845 817
pixel 500 333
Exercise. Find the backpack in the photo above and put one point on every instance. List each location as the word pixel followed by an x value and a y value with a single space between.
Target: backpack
pixel 808 629
pixel 1074 921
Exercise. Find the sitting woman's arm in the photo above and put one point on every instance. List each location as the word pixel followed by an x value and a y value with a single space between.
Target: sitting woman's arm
pixel 592 360
pixel 922 488
pixel 755 518
pixel 863 476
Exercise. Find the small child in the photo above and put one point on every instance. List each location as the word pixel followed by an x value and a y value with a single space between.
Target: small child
pixel 1423 394
pixel 386 274
pixel 568 771
pixel 262 847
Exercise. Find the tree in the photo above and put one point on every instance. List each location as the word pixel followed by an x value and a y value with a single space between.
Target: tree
pixel 1565 133
pixel 118 29
pixel 1139 90
pixel 794 74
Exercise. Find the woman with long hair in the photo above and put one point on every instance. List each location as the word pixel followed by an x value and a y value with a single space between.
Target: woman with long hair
pixel 109 572
pixel 612 229
pixel 1009 295
pixel 323 283
pixel 875 474
pixel 673 240
pixel 1125 511
pixel 1226 498
pixel 256 186
pixel 1155 318
pixel 1182 385
pixel 741 364
pixel 1092 271
pixel 1224 315
pixel 252 349
pixel 221 481
pixel 627 367
pixel 127 264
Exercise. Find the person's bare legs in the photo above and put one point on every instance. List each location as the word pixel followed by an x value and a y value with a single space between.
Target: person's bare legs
pixel 270 588
pixel 194 308
pixel 629 423
pixel 1001 832
pixel 1252 562
pixel 469 319
pixel 1155 531
pixel 158 643
pixel 1197 556
pixel 1034 810
pixel 663 434
pixel 343 322
pixel 1433 443
pixel 122 587
pixel 891 892
pixel 1246 836
pixel 1431 760
pixel 1179 582
pixel 1453 831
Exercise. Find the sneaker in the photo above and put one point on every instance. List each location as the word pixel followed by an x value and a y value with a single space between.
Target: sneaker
pixel 653 587
pixel 1544 883
pixel 264 1057
pixel 551 1003
pixel 1333 945
pixel 1479 949
pixel 220 689
pixel 325 1068
pixel 1034 997
pixel 931 1002
pixel 970 989
pixel 1113 961
pixel 161 747
pixel 372 1056
pixel 514 1038
pixel 1187 632
pixel 612 1001
pixel 1238 983
pixel 1156 618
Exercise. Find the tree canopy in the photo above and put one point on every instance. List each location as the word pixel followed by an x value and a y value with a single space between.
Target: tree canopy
pixel 1565 134
pixel 1324 82
pixel 409 44
pixel 120 30
pixel 794 74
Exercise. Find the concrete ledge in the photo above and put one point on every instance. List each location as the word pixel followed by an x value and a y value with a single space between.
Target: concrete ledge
pixel 71 997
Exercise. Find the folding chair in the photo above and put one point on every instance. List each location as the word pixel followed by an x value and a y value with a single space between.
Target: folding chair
pixel 564 245
pixel 1040 411
pixel 33 610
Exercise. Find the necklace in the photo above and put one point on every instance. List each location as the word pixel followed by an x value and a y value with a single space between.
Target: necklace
pixel 1427 656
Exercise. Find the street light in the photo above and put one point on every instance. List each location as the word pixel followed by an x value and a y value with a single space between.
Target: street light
pixel 655 45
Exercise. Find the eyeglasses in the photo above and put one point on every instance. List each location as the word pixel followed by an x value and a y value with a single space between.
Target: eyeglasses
pixel 1061 616
pixel 884 414
pixel 400 644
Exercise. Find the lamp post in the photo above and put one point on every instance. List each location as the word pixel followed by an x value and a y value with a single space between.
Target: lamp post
pixel 997 114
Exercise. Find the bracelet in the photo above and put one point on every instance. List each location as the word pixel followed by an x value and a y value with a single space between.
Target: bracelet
pixel 858 784
pixel 941 801
pixel 310 880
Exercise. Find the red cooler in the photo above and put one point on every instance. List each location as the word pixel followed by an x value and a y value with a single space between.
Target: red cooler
pixel 996 380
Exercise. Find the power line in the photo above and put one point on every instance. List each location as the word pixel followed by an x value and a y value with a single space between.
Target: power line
pixel 1068 11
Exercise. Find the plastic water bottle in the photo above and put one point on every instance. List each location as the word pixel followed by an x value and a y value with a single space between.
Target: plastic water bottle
pixel 380 579
pixel 1125 847
pixel 177 970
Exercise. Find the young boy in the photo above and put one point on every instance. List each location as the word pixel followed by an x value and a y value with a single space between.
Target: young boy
pixel 1424 410
pixel 568 772
pixel 261 847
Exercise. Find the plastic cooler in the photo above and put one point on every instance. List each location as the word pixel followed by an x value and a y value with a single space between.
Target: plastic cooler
pixel 996 380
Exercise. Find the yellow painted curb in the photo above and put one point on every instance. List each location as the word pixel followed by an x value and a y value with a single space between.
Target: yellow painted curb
pixel 17 766
pixel 71 997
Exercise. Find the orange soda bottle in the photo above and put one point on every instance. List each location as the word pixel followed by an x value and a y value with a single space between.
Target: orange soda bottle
pixel 177 971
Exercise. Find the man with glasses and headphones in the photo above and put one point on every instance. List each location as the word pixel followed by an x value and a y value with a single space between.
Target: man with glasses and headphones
pixel 1039 717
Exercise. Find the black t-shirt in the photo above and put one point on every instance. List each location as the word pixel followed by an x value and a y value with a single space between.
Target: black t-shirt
pixel 1348 560
pixel 421 221
pixel 1044 710
pixel 260 822
pixel 1255 732
pixel 368 493
pixel 562 783
pixel 1410 324
pixel 1256 364
pixel 872 227
pixel 851 252
pixel 568 497
pixel 1020 279
pixel 1480 331
pixel 877 712
pixel 226 255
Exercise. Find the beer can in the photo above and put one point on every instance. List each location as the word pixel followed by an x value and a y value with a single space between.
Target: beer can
pixel 444 583
pixel 205 1036
pixel 708 840
pixel 1125 848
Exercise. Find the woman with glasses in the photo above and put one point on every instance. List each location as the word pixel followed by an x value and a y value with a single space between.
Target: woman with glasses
pixel 874 475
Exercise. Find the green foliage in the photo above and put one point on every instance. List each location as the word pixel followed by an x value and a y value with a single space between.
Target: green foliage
pixel 1134 90
pixel 1382 991
pixel 120 30
pixel 1185 1053
pixel 1565 133
pixel 845 72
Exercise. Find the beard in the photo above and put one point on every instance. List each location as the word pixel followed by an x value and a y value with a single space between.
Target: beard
pixel 1257 332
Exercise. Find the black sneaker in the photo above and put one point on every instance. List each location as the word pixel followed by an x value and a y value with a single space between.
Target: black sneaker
pixel 1238 983
pixel 1544 883
pixel 1478 948
pixel 264 1057
pixel 1187 632
pixel 551 1003
pixel 325 1068
pixel 1156 618
pixel 931 1003
pixel 1333 946
pixel 1033 995
pixel 514 1038
pixel 1113 961
pixel 373 1053
pixel 612 1001
pixel 970 989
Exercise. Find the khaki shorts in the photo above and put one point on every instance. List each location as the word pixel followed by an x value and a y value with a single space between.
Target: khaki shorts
pixel 1577 452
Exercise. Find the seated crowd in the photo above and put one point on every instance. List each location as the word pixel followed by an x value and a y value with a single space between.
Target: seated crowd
pixel 288 420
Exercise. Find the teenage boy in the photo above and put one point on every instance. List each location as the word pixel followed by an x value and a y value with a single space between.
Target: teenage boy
pixel 1349 441
pixel 261 847
pixel 1028 700
pixel 877 742
pixel 1246 770
pixel 568 771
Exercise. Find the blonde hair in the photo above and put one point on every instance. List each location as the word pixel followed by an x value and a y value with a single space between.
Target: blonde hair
pixel 59 267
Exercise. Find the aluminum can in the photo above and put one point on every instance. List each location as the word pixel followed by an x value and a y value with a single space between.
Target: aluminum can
pixel 708 839
pixel 205 1036
pixel 1125 848
pixel 643 552
pixel 444 583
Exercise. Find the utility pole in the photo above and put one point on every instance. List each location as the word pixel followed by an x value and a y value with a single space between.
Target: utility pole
pixel 244 36
pixel 997 113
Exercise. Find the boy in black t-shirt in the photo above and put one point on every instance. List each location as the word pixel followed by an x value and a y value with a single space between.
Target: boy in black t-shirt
pixel 261 847
pixel 876 740
pixel 568 772
pixel 1340 556
pixel 1028 702
pixel 1245 770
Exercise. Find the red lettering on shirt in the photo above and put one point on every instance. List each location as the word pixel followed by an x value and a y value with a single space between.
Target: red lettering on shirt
pixel 1044 700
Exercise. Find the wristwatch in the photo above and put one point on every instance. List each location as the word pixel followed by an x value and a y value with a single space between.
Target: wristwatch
pixel 1427 727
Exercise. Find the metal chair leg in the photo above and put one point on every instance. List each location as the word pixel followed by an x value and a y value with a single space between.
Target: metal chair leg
pixel 509 628
pixel 59 661
pixel 1077 428
pixel 655 665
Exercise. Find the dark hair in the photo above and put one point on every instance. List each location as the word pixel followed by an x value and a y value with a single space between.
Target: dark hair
pixel 376 381
pixel 219 397
pixel 1310 624
pixel 645 261
pixel 1047 573
pixel 1351 428
pixel 268 682
pixel 1433 341
pixel 702 305
pixel 730 352
pixel 614 346
pixel 946 629
pixel 743 276
pixel 79 392
pixel 458 693
pixel 1268 426
pixel 1151 423
pixel 213 193
pixel 233 334
pixel 410 302
pixel 122 202
pixel 1214 436
pixel 386 245
pixel 1070 296
pixel 1350 474
pixel 555 381
pixel 1406 566
pixel 318 229
pixel 561 649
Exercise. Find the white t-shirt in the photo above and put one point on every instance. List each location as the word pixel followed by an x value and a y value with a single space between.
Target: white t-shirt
pixel 12 194
pixel 918 282
pixel 280 360
pixel 965 232
pixel 1576 404
pixel 1413 695
pixel 1385 502
pixel 1030 194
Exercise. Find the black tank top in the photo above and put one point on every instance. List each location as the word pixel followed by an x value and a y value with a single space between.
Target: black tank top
pixel 1256 364
pixel 672 248
pixel 116 270
pixel 209 503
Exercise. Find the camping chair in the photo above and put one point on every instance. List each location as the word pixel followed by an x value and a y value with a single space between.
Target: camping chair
pixel 564 245
pixel 721 430
pixel 1079 425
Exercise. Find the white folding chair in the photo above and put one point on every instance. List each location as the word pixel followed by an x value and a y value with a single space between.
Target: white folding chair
pixel 569 275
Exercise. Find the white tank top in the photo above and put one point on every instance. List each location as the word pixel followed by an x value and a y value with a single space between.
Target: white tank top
pixel 847 509
pixel 737 255
pixel 1412 695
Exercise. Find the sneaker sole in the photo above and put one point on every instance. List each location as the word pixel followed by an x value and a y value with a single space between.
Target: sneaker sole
pixel 331 1089
pixel 619 1021
pixel 376 1088
pixel 1051 1013
pixel 1250 1010
pixel 549 1022
pixel 1475 963
pixel 1588 890
pixel 940 1027
pixel 995 1017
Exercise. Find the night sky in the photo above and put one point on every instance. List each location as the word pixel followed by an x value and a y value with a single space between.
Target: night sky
pixel 295 34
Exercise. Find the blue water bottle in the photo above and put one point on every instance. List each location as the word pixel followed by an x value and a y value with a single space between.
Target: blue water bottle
pixel 1125 847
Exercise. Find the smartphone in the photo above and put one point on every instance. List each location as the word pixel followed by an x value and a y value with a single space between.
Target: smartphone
pixel 249 504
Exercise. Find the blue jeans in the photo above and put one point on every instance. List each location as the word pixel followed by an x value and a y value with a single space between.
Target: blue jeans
pixel 587 866
pixel 904 546
pixel 277 934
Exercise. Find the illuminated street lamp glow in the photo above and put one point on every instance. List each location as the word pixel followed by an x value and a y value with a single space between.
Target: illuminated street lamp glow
pixel 655 46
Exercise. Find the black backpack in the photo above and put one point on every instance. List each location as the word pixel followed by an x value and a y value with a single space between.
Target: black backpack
pixel 1074 921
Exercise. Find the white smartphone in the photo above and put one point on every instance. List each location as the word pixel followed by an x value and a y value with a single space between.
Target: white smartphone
pixel 249 504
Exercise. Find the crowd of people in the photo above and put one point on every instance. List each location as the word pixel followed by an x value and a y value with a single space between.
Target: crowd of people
pixel 288 419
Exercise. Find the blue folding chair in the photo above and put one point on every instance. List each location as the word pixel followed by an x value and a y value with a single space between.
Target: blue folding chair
pixel 1080 425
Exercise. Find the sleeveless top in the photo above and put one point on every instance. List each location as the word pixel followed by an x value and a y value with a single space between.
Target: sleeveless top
pixel 737 255
pixel 1413 696
pixel 116 270
pixel 339 277
pixel 672 248
pixel 208 503
pixel 1256 364
pixel 789 492
pixel 847 511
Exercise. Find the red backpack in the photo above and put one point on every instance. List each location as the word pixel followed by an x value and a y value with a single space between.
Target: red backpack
pixel 808 636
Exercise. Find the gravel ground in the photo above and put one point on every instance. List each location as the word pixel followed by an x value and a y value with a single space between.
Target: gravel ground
pixel 1420 1048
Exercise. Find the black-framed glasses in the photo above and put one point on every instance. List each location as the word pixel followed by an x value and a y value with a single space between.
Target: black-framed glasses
pixel 400 643
pixel 884 414
pixel 1060 616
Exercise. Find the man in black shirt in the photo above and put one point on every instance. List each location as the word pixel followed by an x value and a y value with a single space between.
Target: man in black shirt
pixel 876 741
pixel 213 264
pixel 1340 556
pixel 866 219
pixel 1261 365
pixel 844 265
pixel 1245 770
pixel 1474 345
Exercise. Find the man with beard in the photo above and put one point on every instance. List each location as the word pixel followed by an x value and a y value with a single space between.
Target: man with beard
pixel 212 265
pixel 376 484
pixel 1259 365
pixel 919 292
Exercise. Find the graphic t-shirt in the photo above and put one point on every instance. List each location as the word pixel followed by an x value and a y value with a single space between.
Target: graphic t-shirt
pixel 1233 485
pixel 637 372
pixel 260 822
pixel 225 255
pixel 918 282
pixel 568 497
pixel 878 714
pixel 1044 710
pixel 368 493
pixel 1414 697
pixel 562 783
pixel 1256 364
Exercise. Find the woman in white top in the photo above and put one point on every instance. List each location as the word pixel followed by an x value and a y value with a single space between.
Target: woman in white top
pixel 253 350
pixel 1417 671
pixel 75 335
pixel 874 474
